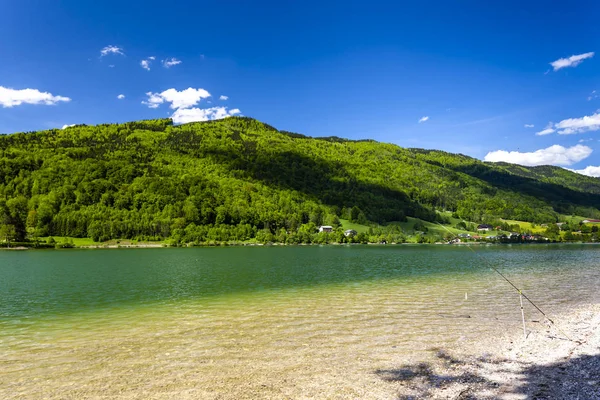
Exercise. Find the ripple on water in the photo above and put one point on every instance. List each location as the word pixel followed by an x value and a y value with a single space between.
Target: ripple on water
pixel 320 335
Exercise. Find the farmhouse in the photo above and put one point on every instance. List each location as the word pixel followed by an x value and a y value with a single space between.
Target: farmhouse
pixel 485 227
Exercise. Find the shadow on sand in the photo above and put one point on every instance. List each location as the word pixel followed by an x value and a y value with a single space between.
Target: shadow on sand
pixel 484 378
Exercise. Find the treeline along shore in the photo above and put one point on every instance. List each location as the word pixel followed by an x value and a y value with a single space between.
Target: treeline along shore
pixel 238 180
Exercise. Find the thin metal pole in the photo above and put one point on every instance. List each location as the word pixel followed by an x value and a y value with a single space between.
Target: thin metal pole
pixel 523 315
pixel 516 288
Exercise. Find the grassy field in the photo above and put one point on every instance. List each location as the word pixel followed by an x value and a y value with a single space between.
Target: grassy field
pixel 431 227
pixel 576 219
pixel 76 241
pixel 526 226
pixel 351 225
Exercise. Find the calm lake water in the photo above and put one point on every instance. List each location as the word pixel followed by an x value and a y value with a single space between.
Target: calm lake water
pixel 262 322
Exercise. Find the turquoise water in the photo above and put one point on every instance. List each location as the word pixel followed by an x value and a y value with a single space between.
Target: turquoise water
pixel 248 322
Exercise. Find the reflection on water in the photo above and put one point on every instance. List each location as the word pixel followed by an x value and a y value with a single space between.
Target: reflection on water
pixel 302 322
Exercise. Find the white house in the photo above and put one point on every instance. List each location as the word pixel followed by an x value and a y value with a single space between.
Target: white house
pixel 326 228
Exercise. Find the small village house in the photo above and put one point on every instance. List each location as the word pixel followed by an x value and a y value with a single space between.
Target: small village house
pixel 326 228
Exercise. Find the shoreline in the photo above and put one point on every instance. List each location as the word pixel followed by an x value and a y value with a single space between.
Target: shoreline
pixel 544 365
pixel 164 245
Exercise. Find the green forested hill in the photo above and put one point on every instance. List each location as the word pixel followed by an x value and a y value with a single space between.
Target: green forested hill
pixel 238 178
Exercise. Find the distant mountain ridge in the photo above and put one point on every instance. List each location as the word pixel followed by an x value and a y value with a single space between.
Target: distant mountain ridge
pixel 237 177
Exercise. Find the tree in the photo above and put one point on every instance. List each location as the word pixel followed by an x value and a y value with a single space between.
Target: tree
pixel 354 214
pixel 17 216
pixel 7 233
pixel 233 178
pixel 552 232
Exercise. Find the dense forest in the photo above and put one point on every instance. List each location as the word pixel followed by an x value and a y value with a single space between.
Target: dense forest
pixel 238 178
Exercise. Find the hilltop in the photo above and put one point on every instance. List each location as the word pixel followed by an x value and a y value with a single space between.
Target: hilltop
pixel 240 179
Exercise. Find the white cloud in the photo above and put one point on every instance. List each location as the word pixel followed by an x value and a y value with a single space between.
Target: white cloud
pixel 111 50
pixel 546 131
pixel 183 103
pixel 572 61
pixel 154 100
pixel 121 96
pixel 67 126
pixel 223 97
pixel 146 63
pixel 589 171
pixel 593 95
pixel 184 99
pixel 111 66
pixel 553 155
pixel 11 97
pixel 169 62
pixel 185 115
pixel 578 125
pixel 423 119
pixel 529 126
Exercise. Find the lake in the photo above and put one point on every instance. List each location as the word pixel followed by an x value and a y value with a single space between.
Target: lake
pixel 262 322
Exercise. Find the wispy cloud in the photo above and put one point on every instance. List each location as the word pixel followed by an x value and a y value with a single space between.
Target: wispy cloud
pixel 593 95
pixel 11 97
pixel 572 61
pixel 223 97
pixel 547 130
pixel 111 50
pixel 423 119
pixel 121 96
pixel 170 62
pixel 553 155
pixel 147 62
pixel 481 121
pixel 529 126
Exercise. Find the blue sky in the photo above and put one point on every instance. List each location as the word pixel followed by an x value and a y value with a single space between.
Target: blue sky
pixel 479 71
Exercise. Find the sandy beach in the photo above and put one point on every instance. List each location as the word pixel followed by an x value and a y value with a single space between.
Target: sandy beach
pixel 545 365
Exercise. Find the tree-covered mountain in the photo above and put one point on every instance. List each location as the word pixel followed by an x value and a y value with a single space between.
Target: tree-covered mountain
pixel 238 178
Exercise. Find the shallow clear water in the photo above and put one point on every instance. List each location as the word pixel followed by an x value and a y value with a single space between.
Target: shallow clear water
pixel 261 322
